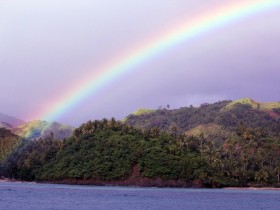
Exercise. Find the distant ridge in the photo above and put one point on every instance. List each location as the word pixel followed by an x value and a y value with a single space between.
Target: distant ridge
pixel 143 111
pixel 5 125
pixel 255 104
pixel 42 129
pixel 6 119
pixel 220 117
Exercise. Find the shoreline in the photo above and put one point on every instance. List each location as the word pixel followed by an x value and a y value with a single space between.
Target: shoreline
pixel 104 184
pixel 251 188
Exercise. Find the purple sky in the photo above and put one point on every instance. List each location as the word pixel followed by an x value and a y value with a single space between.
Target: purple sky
pixel 46 47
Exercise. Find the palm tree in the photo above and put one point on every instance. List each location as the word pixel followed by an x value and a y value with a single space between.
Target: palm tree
pixel 261 176
pixel 112 123
pixel 277 171
pixel 77 132
pixel 87 128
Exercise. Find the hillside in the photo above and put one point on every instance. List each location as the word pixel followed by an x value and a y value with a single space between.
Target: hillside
pixel 109 152
pixel 5 125
pixel 223 115
pixel 9 120
pixel 43 129
pixel 8 143
pixel 221 144
pixel 255 105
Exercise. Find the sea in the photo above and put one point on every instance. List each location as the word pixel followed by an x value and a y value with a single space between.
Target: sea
pixel 23 195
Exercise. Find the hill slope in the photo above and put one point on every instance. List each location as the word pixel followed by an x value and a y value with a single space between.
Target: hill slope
pixel 254 104
pixel 8 142
pixel 6 119
pixel 43 129
pixel 108 152
pixel 223 114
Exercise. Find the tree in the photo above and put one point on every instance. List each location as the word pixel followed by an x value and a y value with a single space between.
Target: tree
pixel 155 132
pixel 261 176
pixel 87 128
pixel 277 171
pixel 174 130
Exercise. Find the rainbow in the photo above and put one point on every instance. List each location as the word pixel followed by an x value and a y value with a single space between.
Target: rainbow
pixel 185 31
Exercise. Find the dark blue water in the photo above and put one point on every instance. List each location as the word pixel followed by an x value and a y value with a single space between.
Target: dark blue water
pixel 47 196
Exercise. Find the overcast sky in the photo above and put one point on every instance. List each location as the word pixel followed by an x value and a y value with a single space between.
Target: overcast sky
pixel 47 46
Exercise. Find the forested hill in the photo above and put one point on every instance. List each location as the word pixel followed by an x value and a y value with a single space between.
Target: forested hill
pixel 108 152
pixel 211 117
pixel 8 143
pixel 12 137
pixel 222 144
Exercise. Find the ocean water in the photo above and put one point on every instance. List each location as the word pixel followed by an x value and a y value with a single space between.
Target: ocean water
pixel 16 195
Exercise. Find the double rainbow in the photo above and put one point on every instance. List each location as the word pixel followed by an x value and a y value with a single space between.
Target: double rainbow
pixel 185 31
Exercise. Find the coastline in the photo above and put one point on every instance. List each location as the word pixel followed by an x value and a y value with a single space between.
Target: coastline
pixel 139 182
pixel 134 180
pixel 251 188
pixel 151 183
pixel 5 180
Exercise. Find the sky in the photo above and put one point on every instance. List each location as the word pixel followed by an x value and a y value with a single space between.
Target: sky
pixel 49 46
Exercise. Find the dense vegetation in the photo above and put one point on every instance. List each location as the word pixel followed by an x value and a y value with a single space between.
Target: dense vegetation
pixel 8 142
pixel 236 146
pixel 187 118
pixel 107 150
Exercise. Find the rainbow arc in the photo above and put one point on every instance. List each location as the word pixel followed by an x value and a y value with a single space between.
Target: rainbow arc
pixel 185 31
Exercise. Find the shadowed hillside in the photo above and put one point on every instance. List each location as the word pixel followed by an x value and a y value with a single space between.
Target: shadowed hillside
pixel 8 142
pixel 209 118
pixel 214 145
pixel 108 152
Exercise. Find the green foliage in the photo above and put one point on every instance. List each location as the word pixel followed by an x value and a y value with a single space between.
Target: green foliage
pixel 208 119
pixel 105 150
pixel 245 114
pixel 184 118
pixel 26 162
pixel 108 150
pixel 8 143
